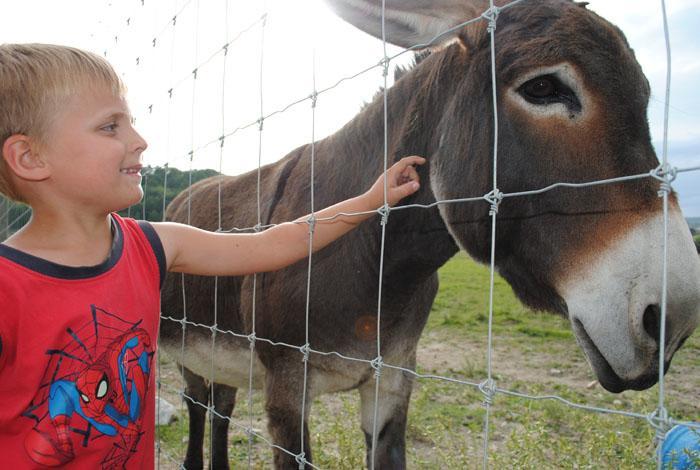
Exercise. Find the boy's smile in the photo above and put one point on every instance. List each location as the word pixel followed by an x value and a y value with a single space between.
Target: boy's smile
pixel 94 152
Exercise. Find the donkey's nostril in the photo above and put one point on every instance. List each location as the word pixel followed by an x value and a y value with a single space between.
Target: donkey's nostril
pixel 652 322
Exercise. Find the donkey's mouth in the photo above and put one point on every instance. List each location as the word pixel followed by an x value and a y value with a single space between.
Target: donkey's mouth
pixel 607 377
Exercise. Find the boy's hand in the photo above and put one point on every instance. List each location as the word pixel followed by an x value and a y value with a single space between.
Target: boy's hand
pixel 402 181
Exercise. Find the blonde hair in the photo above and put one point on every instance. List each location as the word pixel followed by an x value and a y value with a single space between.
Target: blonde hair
pixel 35 80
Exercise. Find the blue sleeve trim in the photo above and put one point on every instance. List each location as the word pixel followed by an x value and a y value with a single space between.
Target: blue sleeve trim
pixel 157 246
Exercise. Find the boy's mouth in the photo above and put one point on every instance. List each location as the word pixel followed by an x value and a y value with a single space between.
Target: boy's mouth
pixel 132 170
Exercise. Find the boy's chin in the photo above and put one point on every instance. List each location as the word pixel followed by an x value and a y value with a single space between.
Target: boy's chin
pixel 129 203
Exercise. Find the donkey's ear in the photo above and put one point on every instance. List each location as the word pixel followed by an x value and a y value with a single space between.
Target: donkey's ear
pixel 408 22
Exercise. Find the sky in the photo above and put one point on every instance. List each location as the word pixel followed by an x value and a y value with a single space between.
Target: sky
pixel 304 47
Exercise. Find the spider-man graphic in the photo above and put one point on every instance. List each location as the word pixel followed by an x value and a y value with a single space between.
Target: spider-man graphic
pixel 93 388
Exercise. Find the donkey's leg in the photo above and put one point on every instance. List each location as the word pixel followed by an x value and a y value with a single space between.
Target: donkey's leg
pixel 224 402
pixel 283 405
pixel 197 390
pixel 392 409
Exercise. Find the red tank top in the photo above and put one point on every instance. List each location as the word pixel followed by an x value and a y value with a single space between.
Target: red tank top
pixel 77 357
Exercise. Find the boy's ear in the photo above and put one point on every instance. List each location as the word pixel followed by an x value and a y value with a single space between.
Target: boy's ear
pixel 21 155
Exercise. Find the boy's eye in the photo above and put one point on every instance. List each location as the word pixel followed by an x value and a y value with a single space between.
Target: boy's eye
pixel 109 127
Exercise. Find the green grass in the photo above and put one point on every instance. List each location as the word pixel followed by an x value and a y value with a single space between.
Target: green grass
pixel 534 353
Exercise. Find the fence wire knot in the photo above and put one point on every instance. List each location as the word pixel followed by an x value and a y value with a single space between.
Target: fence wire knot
pixel 225 49
pixel 260 123
pixel 488 389
pixel 384 212
pixel 305 349
pixel 311 221
pixel 221 140
pixel 258 227
pixel 494 198
pixel 491 15
pixel 377 365
pixel 384 63
pixel 314 97
pixel 301 460
pixel 213 328
pixel 251 340
pixel 666 174
pixel 658 419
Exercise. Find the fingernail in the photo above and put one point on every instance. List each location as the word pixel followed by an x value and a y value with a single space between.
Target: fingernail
pixel 415 185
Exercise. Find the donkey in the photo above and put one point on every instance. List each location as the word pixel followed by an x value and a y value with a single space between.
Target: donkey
pixel 572 101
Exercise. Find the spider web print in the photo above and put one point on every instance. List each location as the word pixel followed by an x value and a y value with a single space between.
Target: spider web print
pixel 92 389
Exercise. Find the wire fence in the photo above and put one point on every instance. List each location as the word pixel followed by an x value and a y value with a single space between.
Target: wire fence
pixel 165 23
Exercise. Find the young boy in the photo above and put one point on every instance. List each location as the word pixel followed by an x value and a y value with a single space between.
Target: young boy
pixel 79 295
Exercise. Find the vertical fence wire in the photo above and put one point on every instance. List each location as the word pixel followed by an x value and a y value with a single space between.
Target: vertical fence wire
pixel 258 226
pixel 377 363
pixel 488 387
pixel 159 360
pixel 169 107
pixel 311 221
pixel 661 412
pixel 214 327
pixel 191 156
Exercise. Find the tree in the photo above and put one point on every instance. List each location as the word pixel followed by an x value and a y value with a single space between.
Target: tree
pixel 14 215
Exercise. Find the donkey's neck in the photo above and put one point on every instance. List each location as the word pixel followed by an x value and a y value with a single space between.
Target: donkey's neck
pixel 417 239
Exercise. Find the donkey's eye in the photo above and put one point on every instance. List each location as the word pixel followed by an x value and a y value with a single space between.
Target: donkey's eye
pixel 548 89
pixel 540 88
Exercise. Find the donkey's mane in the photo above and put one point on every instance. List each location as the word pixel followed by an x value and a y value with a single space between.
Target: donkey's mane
pixel 418 57
pixel 400 72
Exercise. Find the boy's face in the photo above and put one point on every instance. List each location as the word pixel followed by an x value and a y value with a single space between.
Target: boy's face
pixel 94 153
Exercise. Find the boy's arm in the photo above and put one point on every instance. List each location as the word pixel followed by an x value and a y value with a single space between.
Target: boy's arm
pixel 194 251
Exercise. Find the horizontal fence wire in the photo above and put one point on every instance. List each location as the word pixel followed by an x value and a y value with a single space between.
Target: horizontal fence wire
pixel 486 197
pixel 371 362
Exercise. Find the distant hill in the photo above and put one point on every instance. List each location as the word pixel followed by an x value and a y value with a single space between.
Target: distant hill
pixel 693 222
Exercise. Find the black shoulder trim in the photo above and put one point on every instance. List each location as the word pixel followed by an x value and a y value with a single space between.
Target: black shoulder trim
pixel 157 246
pixel 60 271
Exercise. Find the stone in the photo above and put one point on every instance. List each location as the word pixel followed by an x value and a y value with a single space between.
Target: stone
pixel 166 412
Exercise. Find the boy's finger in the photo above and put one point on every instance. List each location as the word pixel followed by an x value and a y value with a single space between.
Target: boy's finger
pixel 412 160
pixel 411 173
pixel 407 189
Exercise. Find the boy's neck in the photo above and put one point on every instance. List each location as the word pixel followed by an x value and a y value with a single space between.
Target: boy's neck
pixel 66 239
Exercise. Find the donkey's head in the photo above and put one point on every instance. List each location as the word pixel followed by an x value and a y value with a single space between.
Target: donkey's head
pixel 572 108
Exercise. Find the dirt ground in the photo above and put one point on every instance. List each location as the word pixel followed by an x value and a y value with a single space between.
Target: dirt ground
pixel 552 366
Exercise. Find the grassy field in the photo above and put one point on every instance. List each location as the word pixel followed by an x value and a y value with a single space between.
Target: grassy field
pixel 533 353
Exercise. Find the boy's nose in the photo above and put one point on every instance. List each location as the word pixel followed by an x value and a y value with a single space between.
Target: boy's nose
pixel 139 144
